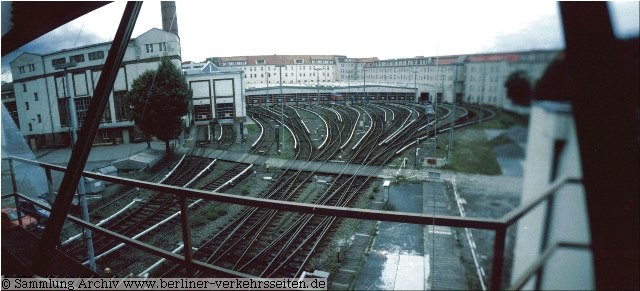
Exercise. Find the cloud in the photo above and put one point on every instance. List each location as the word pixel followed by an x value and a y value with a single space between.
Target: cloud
pixel 544 33
pixel 64 37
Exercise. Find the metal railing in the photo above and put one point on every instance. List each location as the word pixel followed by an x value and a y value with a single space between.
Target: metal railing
pixel 499 226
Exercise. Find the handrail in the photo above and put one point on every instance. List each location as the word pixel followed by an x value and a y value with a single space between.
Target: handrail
pixel 519 283
pixel 498 225
pixel 515 214
pixel 393 216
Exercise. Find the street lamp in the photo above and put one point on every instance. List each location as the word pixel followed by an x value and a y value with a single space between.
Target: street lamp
pixel 73 125
pixel 364 73
pixel 415 87
pixel 318 88
pixel 281 108
pixel 484 74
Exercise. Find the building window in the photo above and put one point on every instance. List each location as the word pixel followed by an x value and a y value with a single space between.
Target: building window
pixel 82 106
pixel 32 67
pixel 224 111
pixel 24 87
pixel 121 105
pixel 77 58
pixel 202 112
pixel 96 55
pixel 260 62
pixel 162 46
pixel 149 48
pixel 58 61
pixel 35 96
pixel 63 111
pixel 26 105
pixel 21 69
pixel 106 115
pixel 30 127
pixel 39 118
pixel 298 61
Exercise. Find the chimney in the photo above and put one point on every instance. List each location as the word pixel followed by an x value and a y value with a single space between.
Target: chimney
pixel 169 16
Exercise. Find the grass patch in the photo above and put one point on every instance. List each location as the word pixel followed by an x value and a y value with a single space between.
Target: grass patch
pixel 472 151
pixel 289 151
pixel 252 129
pixel 207 214
pixel 503 120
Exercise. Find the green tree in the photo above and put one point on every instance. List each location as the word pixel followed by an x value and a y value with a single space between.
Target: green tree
pixel 159 99
pixel 518 88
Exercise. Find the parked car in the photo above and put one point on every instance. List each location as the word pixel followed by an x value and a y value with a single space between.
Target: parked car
pixel 30 208
pixel 10 219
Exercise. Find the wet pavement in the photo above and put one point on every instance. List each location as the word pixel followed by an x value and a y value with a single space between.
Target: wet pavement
pixel 396 259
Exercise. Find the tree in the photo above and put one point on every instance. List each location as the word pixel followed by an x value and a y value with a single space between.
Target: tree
pixel 518 88
pixel 159 99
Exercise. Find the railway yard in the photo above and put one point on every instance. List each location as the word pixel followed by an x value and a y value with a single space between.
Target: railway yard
pixel 333 154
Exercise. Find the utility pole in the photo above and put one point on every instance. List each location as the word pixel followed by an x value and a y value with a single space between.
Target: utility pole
pixel 453 124
pixel 415 86
pixel 484 73
pixel 453 118
pixel 281 109
pixel 364 72
pixel 318 89
pixel 73 125
pixel 435 111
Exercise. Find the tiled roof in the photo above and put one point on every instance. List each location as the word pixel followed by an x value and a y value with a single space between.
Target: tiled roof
pixel 277 59
pixel 7 87
pixel 509 57
pixel 447 60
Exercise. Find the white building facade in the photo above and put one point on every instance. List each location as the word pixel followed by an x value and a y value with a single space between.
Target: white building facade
pixel 270 70
pixel 218 95
pixel 41 87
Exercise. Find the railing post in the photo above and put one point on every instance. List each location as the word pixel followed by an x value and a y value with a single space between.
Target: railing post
pixel 50 185
pixel 14 187
pixel 186 235
pixel 498 258
pixel 546 229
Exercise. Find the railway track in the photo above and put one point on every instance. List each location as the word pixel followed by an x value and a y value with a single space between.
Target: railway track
pixel 273 243
pixel 155 209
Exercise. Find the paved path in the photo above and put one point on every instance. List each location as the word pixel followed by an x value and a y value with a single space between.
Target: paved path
pixel 333 167
pixel 445 270
pixel 98 154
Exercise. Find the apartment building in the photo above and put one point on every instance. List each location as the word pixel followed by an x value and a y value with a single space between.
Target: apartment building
pixel 270 70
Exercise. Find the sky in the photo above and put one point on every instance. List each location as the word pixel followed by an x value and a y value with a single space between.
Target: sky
pixel 355 28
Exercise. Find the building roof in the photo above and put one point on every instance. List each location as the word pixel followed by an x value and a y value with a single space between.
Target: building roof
pixel 508 57
pixel 191 68
pixel 7 86
pixel 275 59
pixel 446 60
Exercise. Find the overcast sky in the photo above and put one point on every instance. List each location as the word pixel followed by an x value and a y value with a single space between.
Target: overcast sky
pixel 383 29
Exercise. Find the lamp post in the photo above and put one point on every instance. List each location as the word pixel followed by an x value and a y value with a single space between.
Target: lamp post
pixel 453 118
pixel 73 125
pixel 415 87
pixel 318 88
pixel 484 73
pixel 364 73
pixel 281 109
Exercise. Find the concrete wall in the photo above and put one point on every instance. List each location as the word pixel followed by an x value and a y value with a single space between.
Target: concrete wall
pixel 566 269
